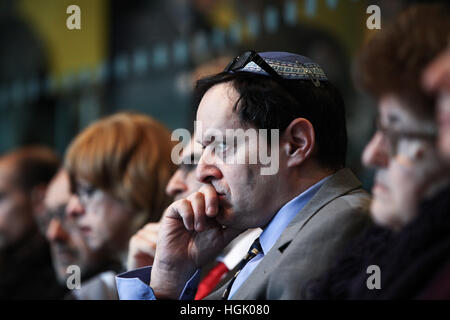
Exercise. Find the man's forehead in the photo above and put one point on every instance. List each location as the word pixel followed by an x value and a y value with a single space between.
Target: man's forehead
pixel 215 111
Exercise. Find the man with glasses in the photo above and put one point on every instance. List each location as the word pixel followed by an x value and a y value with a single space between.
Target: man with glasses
pixel 308 209
pixel 25 263
pixel 69 248
pixel 411 238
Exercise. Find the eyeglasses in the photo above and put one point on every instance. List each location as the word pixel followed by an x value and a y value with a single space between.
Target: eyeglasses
pixel 393 136
pixel 245 58
pixel 59 214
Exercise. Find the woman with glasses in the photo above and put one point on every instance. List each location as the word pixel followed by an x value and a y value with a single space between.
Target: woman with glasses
pixel 397 257
pixel 119 168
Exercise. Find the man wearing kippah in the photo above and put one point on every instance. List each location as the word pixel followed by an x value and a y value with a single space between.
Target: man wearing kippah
pixel 309 207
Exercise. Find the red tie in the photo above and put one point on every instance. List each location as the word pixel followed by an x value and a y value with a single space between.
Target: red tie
pixel 211 280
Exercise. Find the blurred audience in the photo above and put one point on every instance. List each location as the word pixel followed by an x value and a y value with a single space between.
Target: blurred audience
pixel 25 263
pixel 118 168
pixel 412 238
pixel 184 181
pixel 69 248
pixel 56 226
pixel 436 79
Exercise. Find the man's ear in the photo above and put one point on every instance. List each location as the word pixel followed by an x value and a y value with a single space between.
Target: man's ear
pixel 298 141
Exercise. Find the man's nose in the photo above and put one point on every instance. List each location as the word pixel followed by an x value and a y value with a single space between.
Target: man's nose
pixel 74 208
pixel 207 170
pixel 176 184
pixel 376 152
pixel 56 231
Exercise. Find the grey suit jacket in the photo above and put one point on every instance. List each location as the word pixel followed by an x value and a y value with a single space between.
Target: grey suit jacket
pixel 100 287
pixel 310 243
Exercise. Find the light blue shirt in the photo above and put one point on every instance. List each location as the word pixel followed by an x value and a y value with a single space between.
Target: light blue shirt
pixel 133 285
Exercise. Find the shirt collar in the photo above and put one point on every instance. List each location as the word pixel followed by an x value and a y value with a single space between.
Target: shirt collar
pixel 285 215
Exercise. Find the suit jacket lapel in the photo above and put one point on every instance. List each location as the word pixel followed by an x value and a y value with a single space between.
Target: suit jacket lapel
pixel 340 183
pixel 337 185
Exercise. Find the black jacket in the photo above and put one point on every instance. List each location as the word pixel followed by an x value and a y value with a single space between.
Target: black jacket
pixel 408 259
pixel 26 271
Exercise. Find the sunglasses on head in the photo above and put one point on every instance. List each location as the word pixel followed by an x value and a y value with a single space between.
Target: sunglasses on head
pixel 245 58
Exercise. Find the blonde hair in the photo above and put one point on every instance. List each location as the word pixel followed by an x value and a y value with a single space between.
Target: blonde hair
pixel 128 156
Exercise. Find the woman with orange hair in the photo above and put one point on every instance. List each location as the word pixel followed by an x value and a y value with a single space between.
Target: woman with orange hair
pixel 119 168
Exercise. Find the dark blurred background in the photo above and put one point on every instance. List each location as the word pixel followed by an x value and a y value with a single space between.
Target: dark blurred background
pixel 144 56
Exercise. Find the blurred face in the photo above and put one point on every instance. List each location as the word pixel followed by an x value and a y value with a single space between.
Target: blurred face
pixel 67 244
pixel 184 180
pixel 402 150
pixel 436 79
pixel 16 217
pixel 104 222
pixel 443 118
pixel 246 201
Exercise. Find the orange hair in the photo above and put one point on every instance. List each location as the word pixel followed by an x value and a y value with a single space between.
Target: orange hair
pixel 393 60
pixel 128 156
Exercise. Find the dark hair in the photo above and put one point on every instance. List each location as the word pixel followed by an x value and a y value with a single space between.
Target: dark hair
pixel 393 60
pixel 34 165
pixel 266 104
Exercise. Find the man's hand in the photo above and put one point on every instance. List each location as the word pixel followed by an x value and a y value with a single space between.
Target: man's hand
pixel 189 237
pixel 142 246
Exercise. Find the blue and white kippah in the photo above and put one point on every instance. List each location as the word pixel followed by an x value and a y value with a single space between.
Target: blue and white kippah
pixel 288 66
